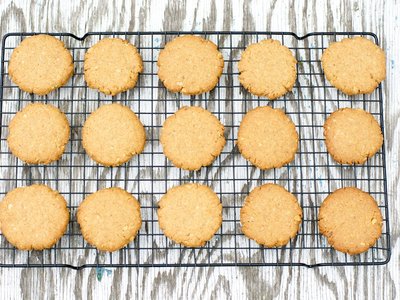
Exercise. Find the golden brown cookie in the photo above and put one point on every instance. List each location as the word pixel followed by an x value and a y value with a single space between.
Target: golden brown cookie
pixel 267 69
pixel 267 138
pixel 190 214
pixel 33 217
pixel 270 215
pixel 354 65
pixel 190 64
pixel 351 220
pixel 352 135
pixel 40 64
pixel 192 138
pixel 113 134
pixel 109 219
pixel 112 66
pixel 38 133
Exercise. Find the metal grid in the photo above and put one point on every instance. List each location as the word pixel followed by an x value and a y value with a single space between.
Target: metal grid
pixel 310 177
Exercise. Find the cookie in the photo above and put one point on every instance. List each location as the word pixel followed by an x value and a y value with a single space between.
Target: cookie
pixel 354 65
pixel 351 220
pixel 190 64
pixel 112 66
pixel 267 69
pixel 113 134
pixel 109 219
pixel 270 215
pixel 267 138
pixel 190 214
pixel 192 138
pixel 352 136
pixel 38 133
pixel 33 217
pixel 40 64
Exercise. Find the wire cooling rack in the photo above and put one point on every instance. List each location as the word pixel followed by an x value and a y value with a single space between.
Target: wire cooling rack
pixel 310 177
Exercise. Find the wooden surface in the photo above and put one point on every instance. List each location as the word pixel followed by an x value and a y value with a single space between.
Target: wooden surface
pixel 297 16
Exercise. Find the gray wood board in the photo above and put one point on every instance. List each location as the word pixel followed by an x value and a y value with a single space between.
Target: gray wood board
pixel 297 16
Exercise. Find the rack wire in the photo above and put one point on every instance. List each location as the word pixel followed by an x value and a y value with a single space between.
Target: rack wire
pixel 310 177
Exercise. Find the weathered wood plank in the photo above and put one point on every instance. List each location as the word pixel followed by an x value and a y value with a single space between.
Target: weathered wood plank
pixel 299 16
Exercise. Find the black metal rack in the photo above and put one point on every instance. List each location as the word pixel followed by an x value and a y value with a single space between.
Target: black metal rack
pixel 311 176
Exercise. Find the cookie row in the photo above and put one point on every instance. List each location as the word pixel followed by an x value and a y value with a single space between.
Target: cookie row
pixel 35 217
pixel 192 65
pixel 191 138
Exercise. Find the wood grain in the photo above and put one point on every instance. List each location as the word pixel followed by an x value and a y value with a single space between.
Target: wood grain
pixel 299 16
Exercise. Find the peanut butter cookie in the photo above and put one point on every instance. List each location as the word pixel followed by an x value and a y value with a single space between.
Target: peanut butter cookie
pixel 192 138
pixel 112 66
pixel 113 134
pixel 267 138
pixel 190 64
pixel 352 136
pixel 267 69
pixel 190 214
pixel 38 133
pixel 270 215
pixel 109 219
pixel 40 64
pixel 33 217
pixel 354 65
pixel 351 220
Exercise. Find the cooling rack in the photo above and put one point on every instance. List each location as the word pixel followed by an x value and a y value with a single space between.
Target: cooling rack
pixel 310 177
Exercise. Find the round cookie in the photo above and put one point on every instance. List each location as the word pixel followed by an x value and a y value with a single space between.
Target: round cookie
pixel 112 66
pixel 192 138
pixel 190 214
pixel 267 69
pixel 190 64
pixel 354 65
pixel 270 215
pixel 40 64
pixel 351 220
pixel 352 135
pixel 109 219
pixel 38 133
pixel 267 138
pixel 112 134
pixel 33 217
